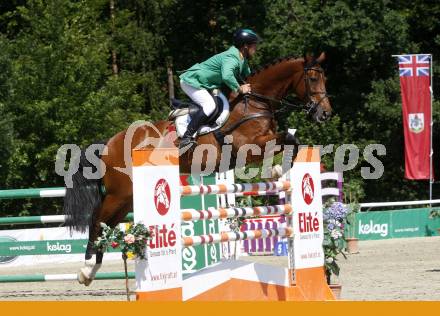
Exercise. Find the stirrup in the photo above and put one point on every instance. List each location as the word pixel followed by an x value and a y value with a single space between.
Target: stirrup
pixel 187 144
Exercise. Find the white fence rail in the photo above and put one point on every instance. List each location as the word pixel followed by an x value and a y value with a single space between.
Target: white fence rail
pixel 401 203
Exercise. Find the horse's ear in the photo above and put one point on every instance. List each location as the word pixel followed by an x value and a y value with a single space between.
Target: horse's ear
pixel 321 58
pixel 308 57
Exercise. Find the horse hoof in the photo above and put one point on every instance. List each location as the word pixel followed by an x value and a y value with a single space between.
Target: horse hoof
pixel 82 279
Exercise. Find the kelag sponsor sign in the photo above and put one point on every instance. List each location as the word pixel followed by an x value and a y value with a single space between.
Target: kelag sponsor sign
pixel 395 224
pixel 40 245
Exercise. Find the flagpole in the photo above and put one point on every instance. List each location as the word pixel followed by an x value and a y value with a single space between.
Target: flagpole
pixel 431 152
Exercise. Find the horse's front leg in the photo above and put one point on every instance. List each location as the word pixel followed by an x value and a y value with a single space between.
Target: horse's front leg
pixel 272 145
pixel 291 144
pixel 276 143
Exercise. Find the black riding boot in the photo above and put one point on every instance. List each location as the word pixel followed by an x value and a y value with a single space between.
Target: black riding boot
pixel 188 141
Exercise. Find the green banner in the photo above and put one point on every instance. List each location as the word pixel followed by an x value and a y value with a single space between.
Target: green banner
pixel 395 224
pixel 43 247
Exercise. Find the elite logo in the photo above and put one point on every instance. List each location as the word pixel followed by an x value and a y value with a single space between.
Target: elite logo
pixel 308 189
pixel 162 197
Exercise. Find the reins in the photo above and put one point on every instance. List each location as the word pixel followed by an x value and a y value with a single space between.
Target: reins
pixel 309 107
pixel 281 102
pixel 268 110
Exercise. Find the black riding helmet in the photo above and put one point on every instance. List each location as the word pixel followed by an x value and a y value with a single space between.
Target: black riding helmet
pixel 245 36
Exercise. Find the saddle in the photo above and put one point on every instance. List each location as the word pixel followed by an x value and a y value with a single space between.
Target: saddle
pixel 184 110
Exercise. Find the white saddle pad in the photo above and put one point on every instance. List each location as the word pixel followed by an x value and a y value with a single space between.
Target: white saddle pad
pixel 183 121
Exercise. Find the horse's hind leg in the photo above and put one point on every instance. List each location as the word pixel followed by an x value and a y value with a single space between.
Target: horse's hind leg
pixel 121 214
pixel 91 265
pixel 110 206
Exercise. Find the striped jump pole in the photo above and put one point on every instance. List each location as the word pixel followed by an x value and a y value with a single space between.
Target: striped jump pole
pixel 258 193
pixel 33 193
pixel 234 188
pixel 233 236
pixel 194 215
pixel 44 219
pixel 187 215
pixel 61 277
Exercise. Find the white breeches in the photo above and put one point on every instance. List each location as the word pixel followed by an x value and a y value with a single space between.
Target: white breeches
pixel 202 97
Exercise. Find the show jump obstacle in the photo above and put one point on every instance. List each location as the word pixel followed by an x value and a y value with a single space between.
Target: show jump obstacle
pixel 156 195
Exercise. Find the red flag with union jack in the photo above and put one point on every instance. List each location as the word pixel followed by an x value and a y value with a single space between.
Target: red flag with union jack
pixel 415 81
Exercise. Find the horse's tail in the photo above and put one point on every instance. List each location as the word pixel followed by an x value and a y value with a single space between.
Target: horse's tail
pixel 83 198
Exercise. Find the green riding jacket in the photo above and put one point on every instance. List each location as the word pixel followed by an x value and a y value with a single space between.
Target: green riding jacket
pixel 225 68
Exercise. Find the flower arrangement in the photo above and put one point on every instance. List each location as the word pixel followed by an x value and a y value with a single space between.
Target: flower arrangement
pixel 335 217
pixel 132 241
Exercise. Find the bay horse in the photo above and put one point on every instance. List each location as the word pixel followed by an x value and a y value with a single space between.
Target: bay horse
pixel 251 121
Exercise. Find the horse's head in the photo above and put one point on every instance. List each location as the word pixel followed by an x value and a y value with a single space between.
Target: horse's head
pixel 305 77
pixel 313 89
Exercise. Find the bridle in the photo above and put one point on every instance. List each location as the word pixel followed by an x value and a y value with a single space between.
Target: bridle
pixel 310 107
pixel 269 111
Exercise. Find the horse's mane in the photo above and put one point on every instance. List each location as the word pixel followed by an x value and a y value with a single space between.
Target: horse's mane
pixel 270 64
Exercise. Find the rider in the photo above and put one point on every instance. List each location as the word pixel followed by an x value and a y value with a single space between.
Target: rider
pixel 226 67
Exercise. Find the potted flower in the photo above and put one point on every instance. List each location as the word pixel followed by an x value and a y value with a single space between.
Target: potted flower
pixel 335 219
pixel 132 241
pixel 350 238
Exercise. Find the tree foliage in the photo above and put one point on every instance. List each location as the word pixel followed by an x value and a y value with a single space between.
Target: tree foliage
pixel 58 81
